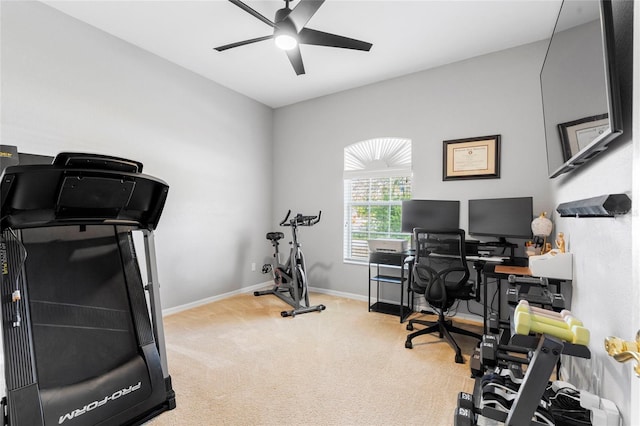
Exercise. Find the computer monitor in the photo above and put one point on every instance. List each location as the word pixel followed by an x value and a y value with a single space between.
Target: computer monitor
pixel 432 214
pixel 501 218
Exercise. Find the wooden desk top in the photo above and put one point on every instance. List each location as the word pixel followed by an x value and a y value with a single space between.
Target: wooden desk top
pixel 516 270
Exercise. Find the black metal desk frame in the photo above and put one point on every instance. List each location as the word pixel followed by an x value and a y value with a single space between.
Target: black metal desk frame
pixel 483 270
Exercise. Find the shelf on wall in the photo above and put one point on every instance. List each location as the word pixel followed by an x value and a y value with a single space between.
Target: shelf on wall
pixel 608 205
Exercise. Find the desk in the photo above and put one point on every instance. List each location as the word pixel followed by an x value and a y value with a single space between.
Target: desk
pixel 499 272
pixel 397 260
pixel 515 270
pixel 485 266
pixel 502 272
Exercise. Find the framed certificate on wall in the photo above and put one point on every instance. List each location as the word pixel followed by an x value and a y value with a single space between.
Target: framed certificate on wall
pixel 471 158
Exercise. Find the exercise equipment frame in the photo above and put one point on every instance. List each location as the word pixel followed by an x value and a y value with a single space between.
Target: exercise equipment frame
pixel 291 277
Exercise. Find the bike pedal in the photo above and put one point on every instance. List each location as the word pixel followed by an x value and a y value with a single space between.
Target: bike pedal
pixel 266 268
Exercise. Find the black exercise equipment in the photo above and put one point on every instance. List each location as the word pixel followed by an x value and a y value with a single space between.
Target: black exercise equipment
pixel 465 413
pixel 290 278
pixel 492 353
pixel 478 369
pixel 81 346
pixel 533 290
pixel 465 400
pixel 498 326
pixel 475 364
pixel 504 396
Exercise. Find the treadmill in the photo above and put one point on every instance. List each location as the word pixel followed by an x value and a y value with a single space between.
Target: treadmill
pixel 82 335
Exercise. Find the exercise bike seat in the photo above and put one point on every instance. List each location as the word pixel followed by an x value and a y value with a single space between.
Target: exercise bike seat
pixel 274 236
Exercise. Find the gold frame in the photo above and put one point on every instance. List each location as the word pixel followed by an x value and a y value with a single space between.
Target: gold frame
pixel 471 158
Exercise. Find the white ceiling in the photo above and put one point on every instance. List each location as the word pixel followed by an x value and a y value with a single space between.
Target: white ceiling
pixel 407 36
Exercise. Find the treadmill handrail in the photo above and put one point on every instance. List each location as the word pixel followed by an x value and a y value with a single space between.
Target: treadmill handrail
pixel 49 195
pixel 97 161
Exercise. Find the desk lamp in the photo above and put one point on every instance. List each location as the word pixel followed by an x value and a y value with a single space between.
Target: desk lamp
pixel 542 227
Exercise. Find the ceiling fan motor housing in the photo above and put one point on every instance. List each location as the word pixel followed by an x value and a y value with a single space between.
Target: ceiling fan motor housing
pixel 281 19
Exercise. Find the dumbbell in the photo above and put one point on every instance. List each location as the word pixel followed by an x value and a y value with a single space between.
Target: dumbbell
pixel 465 400
pixel 513 279
pixel 492 352
pixel 562 319
pixel 526 322
pixel 465 410
pixel 557 302
pixel 495 324
pixel 562 314
pixel 475 363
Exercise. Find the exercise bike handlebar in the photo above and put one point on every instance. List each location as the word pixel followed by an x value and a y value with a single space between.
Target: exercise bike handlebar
pixel 284 221
pixel 301 220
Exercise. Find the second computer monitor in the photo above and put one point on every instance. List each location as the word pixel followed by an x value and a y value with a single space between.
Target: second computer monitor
pixel 430 214
pixel 501 217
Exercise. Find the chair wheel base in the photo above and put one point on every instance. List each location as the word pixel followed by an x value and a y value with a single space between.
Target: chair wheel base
pixel 410 327
pixel 408 344
pixel 459 359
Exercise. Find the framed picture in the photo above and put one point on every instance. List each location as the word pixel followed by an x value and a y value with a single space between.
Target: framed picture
pixel 577 134
pixel 473 158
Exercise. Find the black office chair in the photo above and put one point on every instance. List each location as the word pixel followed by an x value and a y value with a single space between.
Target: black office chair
pixel 441 274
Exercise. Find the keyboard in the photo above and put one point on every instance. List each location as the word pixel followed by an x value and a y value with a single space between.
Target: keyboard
pixel 489 259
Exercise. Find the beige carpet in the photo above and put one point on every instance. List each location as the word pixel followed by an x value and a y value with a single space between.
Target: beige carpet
pixel 238 362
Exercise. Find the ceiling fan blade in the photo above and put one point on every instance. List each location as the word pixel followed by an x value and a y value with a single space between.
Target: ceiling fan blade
pixel 301 14
pixel 242 43
pixel 295 57
pixel 320 38
pixel 253 12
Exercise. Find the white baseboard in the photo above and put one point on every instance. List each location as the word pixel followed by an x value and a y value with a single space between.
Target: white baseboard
pixel 191 305
pixel 339 294
pixel 250 289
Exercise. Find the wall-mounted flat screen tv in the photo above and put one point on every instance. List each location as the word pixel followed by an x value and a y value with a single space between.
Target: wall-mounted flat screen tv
pixel 431 214
pixel 580 94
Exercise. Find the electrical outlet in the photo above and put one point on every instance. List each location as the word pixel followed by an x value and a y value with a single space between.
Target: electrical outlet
pixel 253 267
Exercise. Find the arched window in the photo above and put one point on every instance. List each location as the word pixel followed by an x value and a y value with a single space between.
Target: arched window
pixel 377 177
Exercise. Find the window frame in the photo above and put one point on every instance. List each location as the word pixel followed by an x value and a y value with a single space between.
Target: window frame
pixel 370 231
pixel 374 159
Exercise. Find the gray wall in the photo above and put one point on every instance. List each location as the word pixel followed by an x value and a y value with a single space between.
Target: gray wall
pixel 493 94
pixel 605 294
pixel 67 86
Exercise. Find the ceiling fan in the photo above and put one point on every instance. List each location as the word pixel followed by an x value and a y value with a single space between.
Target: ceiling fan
pixel 289 32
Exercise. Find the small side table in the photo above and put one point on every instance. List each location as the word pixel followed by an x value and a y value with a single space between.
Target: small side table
pixel 391 260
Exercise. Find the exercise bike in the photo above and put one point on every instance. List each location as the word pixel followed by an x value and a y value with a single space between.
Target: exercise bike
pixel 290 278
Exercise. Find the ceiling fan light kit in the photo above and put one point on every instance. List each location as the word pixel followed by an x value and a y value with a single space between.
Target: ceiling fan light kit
pixel 288 37
pixel 286 42
pixel 285 33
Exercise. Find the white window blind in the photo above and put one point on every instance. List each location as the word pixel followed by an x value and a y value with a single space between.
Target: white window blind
pixel 377 178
